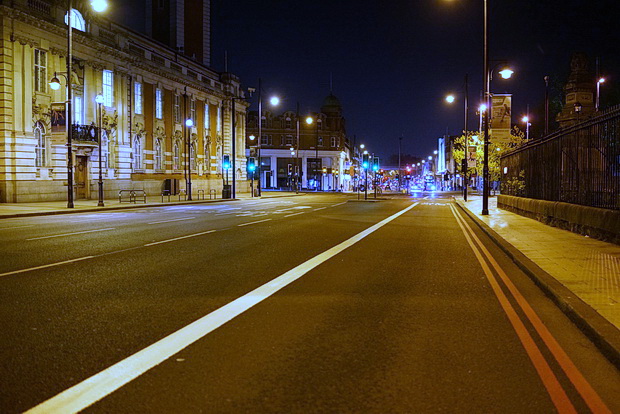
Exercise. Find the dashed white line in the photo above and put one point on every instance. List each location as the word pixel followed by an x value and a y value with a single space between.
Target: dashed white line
pixel 295 214
pixel 179 238
pixel 253 222
pixel 320 208
pixel 14 272
pixel 339 204
pixel 70 234
pixel 168 221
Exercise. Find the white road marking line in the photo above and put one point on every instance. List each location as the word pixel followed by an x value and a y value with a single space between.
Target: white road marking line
pixel 295 214
pixel 100 385
pixel 339 204
pixel 16 227
pixel 168 221
pixel 180 238
pixel 320 208
pixel 14 272
pixel 253 222
pixel 70 234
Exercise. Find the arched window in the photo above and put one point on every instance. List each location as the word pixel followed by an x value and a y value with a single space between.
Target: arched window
pixel 77 21
pixel 192 156
pixel 176 155
pixel 137 153
pixel 288 124
pixel 319 124
pixel 41 145
pixel 158 155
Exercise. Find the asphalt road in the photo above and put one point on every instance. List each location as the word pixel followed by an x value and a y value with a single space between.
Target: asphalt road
pixel 317 303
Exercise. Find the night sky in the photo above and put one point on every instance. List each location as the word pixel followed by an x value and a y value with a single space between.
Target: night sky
pixel 392 62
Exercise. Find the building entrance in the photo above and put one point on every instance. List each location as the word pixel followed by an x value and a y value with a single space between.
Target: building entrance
pixel 81 177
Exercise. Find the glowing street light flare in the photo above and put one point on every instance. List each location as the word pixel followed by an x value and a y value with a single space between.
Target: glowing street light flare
pixel 450 98
pixel 506 73
pixel 309 120
pixel 482 108
pixel 189 123
pixel 99 5
pixel 275 101
pixel 601 80
pixel 525 119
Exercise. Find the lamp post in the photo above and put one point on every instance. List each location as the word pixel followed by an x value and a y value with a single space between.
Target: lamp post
pixel 450 99
pixel 546 105
pixel 598 91
pixel 400 140
pixel 98 6
pixel 309 121
pixel 99 99
pixel 297 169
pixel 189 123
pixel 505 73
pixel 526 120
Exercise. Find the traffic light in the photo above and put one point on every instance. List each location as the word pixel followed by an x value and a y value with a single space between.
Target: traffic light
pixel 375 164
pixel 290 169
pixel 226 162
pixel 251 164
pixel 365 161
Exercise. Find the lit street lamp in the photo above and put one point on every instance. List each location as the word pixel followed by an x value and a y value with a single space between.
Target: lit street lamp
pixel 99 100
pixel 274 101
pixel 598 91
pixel 189 123
pixel 506 74
pixel 466 138
pixel 526 120
pixel 98 6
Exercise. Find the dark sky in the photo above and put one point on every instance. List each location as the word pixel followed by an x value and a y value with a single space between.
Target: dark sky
pixel 392 62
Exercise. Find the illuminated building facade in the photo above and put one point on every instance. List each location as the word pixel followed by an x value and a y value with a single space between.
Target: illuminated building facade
pixel 149 90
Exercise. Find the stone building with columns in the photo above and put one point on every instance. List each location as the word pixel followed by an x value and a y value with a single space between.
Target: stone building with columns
pixel 321 160
pixel 148 89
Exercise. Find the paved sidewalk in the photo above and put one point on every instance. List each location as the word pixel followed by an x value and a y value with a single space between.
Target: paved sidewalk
pixel 10 210
pixel 588 268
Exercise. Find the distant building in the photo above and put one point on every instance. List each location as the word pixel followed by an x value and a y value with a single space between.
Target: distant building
pixel 321 160
pixel 149 90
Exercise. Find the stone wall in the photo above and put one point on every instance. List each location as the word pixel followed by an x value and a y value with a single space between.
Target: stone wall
pixel 590 221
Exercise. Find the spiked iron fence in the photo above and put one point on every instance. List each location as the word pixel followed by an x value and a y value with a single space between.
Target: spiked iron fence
pixel 578 165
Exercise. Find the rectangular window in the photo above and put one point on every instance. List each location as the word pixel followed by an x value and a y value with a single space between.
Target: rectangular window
pixel 137 91
pixel 219 119
pixel 320 141
pixel 289 140
pixel 333 139
pixel 40 70
pixel 108 87
pixel 177 108
pixel 159 104
pixel 78 110
pixel 207 120
pixel 192 110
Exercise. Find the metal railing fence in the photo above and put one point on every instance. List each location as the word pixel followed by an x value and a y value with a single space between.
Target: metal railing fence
pixel 578 165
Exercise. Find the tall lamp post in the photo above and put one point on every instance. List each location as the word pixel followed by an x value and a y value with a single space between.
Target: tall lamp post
pixel 450 99
pixel 526 121
pixel 189 123
pixel 98 6
pixel 99 99
pixel 486 176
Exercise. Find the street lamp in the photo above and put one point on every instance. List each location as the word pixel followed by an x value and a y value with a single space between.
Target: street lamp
pixel 505 73
pixel 99 100
pixel 188 177
pixel 274 101
pixel 526 120
pixel 309 121
pixel 466 138
pixel 598 91
pixel 98 6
